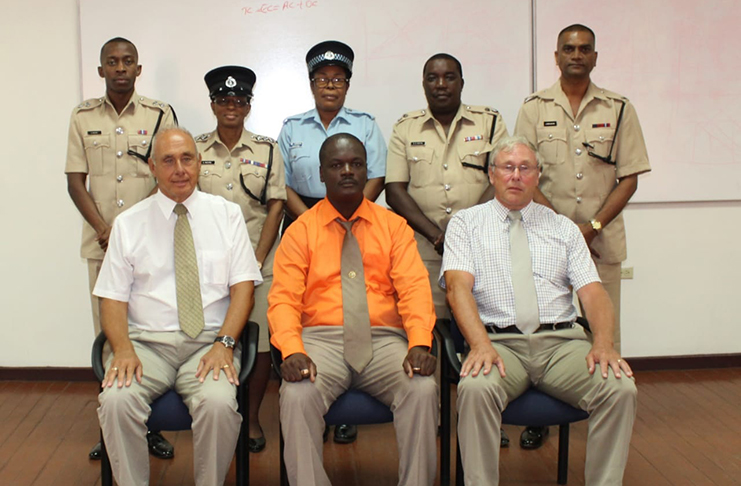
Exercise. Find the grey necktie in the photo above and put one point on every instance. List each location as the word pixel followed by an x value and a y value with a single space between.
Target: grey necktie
pixel 357 328
pixel 523 283
pixel 190 305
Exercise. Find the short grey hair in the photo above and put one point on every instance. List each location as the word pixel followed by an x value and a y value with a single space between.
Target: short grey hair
pixel 508 144
pixel 157 135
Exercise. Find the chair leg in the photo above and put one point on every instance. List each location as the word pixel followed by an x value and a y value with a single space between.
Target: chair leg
pixel 458 464
pixel 243 458
pixel 106 474
pixel 563 454
pixel 444 423
pixel 283 472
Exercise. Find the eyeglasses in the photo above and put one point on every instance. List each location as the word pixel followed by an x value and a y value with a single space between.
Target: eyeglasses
pixel 324 82
pixel 238 102
pixel 525 170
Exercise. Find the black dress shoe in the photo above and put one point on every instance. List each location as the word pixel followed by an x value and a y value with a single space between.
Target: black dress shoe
pixel 256 445
pixel 158 446
pixel 532 437
pixel 96 452
pixel 504 438
pixel 345 434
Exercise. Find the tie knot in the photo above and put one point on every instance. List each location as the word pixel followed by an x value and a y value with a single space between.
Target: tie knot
pixel 346 224
pixel 514 216
pixel 180 209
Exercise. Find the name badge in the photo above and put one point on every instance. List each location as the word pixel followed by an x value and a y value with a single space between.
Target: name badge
pixel 94 132
pixel 207 162
pixel 296 144
pixel 418 144
pixel 550 124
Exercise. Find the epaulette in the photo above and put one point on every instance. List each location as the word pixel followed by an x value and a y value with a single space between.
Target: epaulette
pixel 481 109
pixel 614 96
pixel 411 115
pixel 153 103
pixel 89 104
pixel 531 97
pixel 297 116
pixel 260 138
pixel 359 113
pixel 203 137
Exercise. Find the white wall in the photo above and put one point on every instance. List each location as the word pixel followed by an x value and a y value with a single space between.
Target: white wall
pixel 682 301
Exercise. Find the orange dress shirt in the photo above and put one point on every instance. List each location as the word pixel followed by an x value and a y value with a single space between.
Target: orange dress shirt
pixel 307 285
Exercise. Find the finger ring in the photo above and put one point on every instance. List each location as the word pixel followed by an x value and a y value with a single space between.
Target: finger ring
pixel 114 368
pixel 416 369
pixel 620 360
pixel 305 372
pixel 225 366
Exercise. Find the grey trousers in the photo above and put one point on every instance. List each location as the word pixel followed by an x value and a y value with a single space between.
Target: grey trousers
pixel 413 402
pixel 169 360
pixel 554 362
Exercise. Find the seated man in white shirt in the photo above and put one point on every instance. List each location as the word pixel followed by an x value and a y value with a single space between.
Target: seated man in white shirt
pixel 177 286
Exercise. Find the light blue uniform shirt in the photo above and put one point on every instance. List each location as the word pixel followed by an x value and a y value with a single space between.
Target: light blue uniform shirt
pixel 302 136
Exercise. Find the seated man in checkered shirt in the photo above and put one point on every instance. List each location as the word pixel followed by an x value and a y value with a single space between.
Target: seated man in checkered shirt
pixel 482 273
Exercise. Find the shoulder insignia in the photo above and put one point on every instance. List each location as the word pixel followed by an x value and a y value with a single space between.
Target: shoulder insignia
pixel 614 96
pixel 153 103
pixel 411 115
pixel 531 98
pixel 89 104
pixel 481 109
pixel 260 138
pixel 359 113
pixel 203 137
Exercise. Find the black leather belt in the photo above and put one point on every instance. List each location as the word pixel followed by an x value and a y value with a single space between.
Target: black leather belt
pixel 491 328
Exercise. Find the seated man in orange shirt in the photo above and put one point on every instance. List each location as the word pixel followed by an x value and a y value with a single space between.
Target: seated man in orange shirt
pixel 334 336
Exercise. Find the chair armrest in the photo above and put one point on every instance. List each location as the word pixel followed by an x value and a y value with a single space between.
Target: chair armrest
pixel 582 321
pixel 97 356
pixel 277 358
pixel 442 327
pixel 249 337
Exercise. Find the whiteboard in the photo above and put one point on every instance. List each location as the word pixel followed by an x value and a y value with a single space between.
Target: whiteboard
pixel 679 62
pixel 179 41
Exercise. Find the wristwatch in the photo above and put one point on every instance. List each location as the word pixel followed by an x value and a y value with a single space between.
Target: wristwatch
pixel 596 225
pixel 227 341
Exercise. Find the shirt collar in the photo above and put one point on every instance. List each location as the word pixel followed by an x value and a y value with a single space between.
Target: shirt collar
pixel 131 102
pixel 243 141
pixel 328 213
pixel 462 113
pixel 502 212
pixel 556 93
pixel 167 205
pixel 341 116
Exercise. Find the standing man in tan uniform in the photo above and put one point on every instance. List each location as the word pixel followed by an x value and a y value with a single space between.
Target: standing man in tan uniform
pixel 109 140
pixel 437 162
pixel 593 149
pixel 246 169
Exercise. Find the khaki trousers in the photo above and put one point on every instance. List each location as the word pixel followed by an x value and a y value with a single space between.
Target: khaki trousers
pixel 169 360
pixel 413 402
pixel 554 362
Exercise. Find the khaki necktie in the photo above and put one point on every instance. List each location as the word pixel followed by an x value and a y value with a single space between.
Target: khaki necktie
pixel 357 328
pixel 190 305
pixel 523 283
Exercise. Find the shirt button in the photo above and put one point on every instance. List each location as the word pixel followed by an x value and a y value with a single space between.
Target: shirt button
pixel 119 130
pixel 229 186
pixel 95 143
pixel 448 210
pixel 445 166
pixel 120 203
pixel 352 274
pixel 578 151
pixel 601 138
pixel 119 154
pixel 228 165
pixel 550 135
pixel 577 128
pixel 205 172
pixel 447 187
pixel 476 152
pixel 578 199
pixel 415 159
pixel 144 143
pixel 579 175
pixel 119 178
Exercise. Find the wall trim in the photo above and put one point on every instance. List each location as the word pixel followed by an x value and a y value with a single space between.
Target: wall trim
pixel 659 363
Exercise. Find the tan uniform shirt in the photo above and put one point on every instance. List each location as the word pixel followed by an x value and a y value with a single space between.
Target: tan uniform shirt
pixel 99 139
pixel 232 174
pixel 576 183
pixel 438 167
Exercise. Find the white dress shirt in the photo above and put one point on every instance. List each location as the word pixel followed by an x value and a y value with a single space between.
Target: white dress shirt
pixel 139 266
pixel 477 242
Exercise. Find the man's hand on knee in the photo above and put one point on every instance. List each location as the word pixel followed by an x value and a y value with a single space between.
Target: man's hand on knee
pixel 482 358
pixel 297 367
pixel 124 367
pixel 420 361
pixel 218 358
pixel 607 357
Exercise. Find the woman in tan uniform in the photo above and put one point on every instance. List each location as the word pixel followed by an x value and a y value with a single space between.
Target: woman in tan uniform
pixel 246 169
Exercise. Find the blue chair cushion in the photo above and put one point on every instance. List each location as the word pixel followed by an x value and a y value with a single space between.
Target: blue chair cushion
pixel 535 408
pixel 358 408
pixel 169 413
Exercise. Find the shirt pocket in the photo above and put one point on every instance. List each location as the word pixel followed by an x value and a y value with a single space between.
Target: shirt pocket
pixel 214 268
pixel 96 148
pixel 210 176
pixel 473 158
pixel 304 166
pixel 253 179
pixel 421 173
pixel 552 145
pixel 139 144
pixel 600 141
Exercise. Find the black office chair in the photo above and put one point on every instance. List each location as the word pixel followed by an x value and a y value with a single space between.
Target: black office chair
pixel 532 408
pixel 170 413
pixel 352 407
